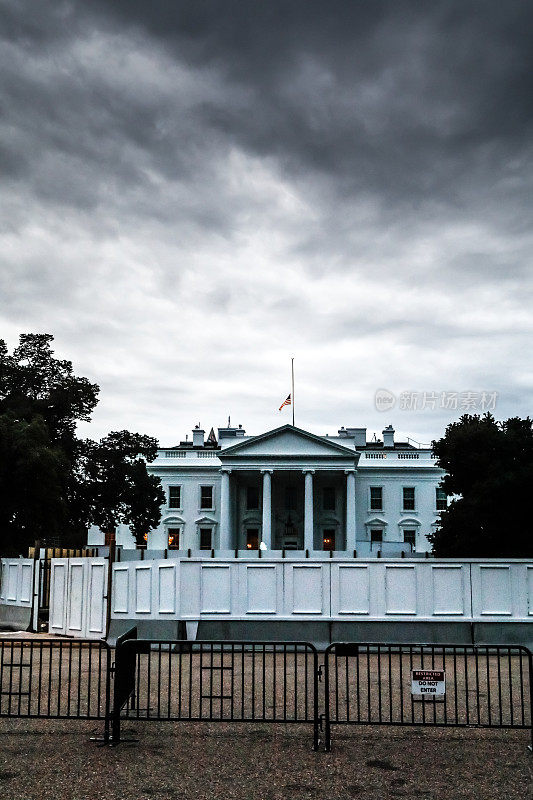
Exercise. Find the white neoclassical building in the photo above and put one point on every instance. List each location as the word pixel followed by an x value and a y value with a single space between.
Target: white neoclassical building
pixel 289 489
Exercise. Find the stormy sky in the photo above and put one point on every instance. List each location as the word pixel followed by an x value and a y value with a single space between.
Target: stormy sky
pixel 193 192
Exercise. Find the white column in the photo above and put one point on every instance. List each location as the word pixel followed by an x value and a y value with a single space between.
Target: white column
pixel 308 510
pixel 266 535
pixel 351 539
pixel 225 508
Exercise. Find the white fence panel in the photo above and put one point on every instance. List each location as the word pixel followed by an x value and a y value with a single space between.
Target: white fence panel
pixel 350 590
pixel 97 572
pixel 57 621
pixel 142 588
pixel 216 589
pixel 337 589
pixel 450 590
pixel 307 589
pixel 78 597
pixel 166 588
pixel 76 592
pixel 401 590
pixel 16 587
pixel 502 590
pixel 260 590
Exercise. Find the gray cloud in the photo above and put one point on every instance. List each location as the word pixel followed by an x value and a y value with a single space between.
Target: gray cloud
pixel 193 191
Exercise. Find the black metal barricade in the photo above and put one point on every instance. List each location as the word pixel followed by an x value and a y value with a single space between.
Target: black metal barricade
pixel 124 670
pixel 55 679
pixel 234 681
pixel 222 681
pixel 438 685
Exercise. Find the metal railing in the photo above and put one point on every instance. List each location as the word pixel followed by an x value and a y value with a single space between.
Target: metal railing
pixel 483 686
pixel 224 681
pixel 55 679
pixel 438 685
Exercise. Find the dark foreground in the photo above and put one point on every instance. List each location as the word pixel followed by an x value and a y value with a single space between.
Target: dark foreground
pixel 43 759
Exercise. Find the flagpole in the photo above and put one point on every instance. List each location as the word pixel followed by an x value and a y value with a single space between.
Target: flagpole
pixel 292 374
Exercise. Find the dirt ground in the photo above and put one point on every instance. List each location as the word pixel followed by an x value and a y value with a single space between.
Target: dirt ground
pixel 41 759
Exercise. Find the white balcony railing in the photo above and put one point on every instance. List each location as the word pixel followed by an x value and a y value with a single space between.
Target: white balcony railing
pixel 189 453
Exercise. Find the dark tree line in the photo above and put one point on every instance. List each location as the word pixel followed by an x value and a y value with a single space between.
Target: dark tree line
pixel 52 483
pixel 489 466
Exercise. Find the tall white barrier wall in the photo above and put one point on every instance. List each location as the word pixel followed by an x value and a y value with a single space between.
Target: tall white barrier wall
pixel 337 589
pixel 78 597
pixel 18 577
pixel 16 582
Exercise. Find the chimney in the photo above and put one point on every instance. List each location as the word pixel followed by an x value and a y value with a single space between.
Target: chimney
pixel 240 431
pixel 388 436
pixel 343 433
pixel 198 437
pixel 358 435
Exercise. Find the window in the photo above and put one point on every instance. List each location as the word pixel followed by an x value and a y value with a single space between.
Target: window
pixel 328 498
pixel 252 498
pixel 376 498
pixel 408 498
pixel 441 499
pixel 409 537
pixel 205 538
pixel 174 496
pixel 290 498
pixel 173 538
pixel 376 535
pixel 252 539
pixel 328 541
pixel 206 497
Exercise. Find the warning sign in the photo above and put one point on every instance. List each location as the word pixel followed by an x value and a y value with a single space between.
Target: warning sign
pixel 428 683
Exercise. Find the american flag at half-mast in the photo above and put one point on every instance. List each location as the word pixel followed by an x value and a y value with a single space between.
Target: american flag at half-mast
pixel 286 402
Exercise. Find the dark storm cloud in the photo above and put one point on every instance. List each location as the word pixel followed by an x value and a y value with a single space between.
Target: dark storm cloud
pixel 402 81
pixel 220 180
pixel 390 97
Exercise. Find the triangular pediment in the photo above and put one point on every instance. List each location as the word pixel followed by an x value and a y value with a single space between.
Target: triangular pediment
pixel 287 441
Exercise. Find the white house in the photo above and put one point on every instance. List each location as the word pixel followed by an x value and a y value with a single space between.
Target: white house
pixel 293 490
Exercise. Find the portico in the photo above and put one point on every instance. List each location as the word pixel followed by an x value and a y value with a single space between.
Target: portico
pixel 290 490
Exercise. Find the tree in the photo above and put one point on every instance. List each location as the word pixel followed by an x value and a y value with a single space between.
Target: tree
pixel 33 484
pixel 118 488
pixel 34 383
pixel 53 484
pixel 489 473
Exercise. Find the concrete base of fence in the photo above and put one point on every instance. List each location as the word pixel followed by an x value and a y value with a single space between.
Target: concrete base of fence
pixel 323 633
pixel 316 633
pixel 15 618
pixel 166 630
pixel 504 633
